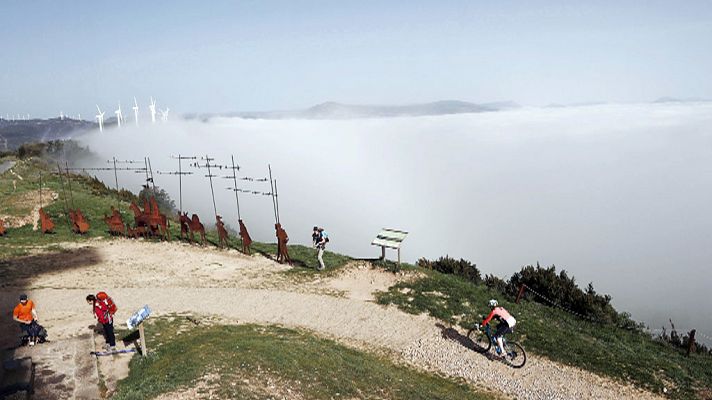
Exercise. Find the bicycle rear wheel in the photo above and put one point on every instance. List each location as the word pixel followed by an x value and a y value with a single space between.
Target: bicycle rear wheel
pixel 515 355
pixel 481 340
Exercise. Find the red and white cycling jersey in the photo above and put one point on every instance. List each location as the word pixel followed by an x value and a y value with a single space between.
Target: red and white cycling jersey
pixel 502 314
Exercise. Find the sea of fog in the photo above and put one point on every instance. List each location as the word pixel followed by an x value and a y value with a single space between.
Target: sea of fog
pixel 615 194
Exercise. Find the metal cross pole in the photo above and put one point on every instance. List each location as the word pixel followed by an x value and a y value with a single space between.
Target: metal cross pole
pixel 276 199
pixel 211 176
pixel 116 178
pixel 235 189
pixel 64 195
pixel 69 184
pixel 274 203
pixel 113 162
pixel 40 189
pixel 145 163
pixel 180 174
pixel 153 182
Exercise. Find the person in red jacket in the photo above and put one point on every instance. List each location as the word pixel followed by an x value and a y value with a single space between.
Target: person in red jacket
pixel 506 323
pixel 102 314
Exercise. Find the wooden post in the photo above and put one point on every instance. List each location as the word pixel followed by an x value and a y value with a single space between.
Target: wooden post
pixel 142 336
pixel 383 253
pixel 521 293
pixel 691 343
pixel 399 256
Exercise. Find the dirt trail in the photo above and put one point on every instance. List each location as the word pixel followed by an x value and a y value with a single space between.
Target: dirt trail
pixel 177 278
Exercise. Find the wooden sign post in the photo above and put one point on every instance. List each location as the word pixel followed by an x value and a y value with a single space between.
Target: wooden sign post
pixel 142 336
pixel 391 238
pixel 136 321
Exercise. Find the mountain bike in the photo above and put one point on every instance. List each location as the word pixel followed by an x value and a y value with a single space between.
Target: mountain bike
pixel 513 354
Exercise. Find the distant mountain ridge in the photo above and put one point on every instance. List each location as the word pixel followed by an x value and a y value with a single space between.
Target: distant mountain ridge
pixel 334 110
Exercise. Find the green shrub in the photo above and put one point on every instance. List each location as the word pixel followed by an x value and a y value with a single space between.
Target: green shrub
pixel 165 203
pixel 563 290
pixel 31 150
pixel 448 265
pixel 496 283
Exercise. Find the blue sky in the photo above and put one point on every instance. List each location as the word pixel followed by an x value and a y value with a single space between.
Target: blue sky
pixel 266 55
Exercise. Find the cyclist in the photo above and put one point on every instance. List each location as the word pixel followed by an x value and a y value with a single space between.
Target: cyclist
pixel 506 322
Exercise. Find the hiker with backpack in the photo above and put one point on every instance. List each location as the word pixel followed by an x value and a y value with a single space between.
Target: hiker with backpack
pixel 320 240
pixel 104 308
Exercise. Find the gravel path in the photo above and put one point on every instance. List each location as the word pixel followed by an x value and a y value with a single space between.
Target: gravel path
pixel 419 340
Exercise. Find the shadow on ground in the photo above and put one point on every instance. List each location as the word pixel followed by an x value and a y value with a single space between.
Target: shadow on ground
pixel 18 274
pixel 451 333
pixel 55 366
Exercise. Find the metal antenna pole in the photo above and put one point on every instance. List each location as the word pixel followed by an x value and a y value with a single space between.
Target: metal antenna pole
pixel 69 184
pixel 209 175
pixel 40 189
pixel 271 185
pixel 276 199
pixel 116 178
pixel 153 182
pixel 234 179
pixel 180 174
pixel 64 195
pixel 180 187
pixel 145 163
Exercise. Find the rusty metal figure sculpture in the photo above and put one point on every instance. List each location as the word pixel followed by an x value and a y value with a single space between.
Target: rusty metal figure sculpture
pixel 245 236
pixel 79 222
pixel 139 231
pixel 184 225
pixel 159 220
pixel 282 239
pixel 46 224
pixel 195 226
pixel 222 232
pixel 115 223
pixel 151 219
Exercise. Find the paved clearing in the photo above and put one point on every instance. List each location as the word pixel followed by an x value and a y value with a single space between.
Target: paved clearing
pixel 180 278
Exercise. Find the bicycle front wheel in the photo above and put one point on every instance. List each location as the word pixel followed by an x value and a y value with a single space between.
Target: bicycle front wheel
pixel 515 355
pixel 480 340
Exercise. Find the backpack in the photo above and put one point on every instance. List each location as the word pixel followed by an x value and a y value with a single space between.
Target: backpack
pixel 102 296
pixel 325 236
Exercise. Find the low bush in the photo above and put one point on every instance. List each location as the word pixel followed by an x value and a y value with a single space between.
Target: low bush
pixel 448 265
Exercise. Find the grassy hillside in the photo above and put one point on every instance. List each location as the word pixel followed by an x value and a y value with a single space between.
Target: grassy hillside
pixel 95 201
pixel 260 362
pixel 622 354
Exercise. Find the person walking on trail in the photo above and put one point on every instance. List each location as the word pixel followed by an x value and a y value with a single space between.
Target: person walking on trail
pixel 321 240
pixel 102 311
pixel 315 236
pixel 506 322
pixel 26 315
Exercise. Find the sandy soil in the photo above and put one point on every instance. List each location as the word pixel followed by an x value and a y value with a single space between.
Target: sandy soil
pixel 182 278
pixel 33 217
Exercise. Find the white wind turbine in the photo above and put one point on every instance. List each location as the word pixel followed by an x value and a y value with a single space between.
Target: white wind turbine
pixel 164 114
pixel 100 118
pixel 152 108
pixel 119 116
pixel 135 108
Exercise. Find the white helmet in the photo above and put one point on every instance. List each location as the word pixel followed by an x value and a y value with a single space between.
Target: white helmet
pixel 493 303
